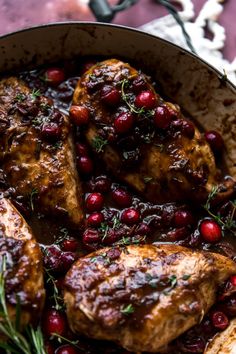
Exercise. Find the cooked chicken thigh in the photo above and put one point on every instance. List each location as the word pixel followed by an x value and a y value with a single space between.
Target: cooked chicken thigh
pixel 224 342
pixel 145 296
pixel 37 152
pixel 155 150
pixel 24 272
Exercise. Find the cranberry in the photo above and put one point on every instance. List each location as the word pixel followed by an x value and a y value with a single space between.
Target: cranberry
pixel 162 117
pixel 193 345
pixel 215 140
pixel 230 306
pixel 130 216
pixel 233 280
pixel 188 129
pixel 102 184
pixel 142 229
pixel 52 258
pixel 54 322
pixel 70 245
pixel 79 115
pixel 219 320
pixel 67 259
pixel 178 234
pixel 51 131
pixel 121 197
pixel 91 236
pixel 95 219
pixel 49 348
pixel 110 95
pixel 183 218
pixel 113 253
pixel 123 122
pixel 139 84
pixel 81 149
pixel 94 201
pixel 146 99
pixel 85 165
pixel 54 76
pixel 111 237
pixel 210 231
pixel 67 349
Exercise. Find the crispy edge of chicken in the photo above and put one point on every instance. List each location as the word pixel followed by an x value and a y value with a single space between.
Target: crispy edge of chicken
pixel 223 342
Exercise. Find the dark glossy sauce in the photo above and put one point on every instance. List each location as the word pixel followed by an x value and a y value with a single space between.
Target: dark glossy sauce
pixel 156 222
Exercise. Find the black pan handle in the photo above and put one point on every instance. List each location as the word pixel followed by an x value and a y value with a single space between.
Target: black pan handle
pixel 104 12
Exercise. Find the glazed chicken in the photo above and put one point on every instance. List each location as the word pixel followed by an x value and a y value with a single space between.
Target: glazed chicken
pixel 24 271
pixel 225 342
pixel 142 296
pixel 37 152
pixel 143 140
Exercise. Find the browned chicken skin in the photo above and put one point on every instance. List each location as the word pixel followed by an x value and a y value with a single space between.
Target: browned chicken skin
pixel 24 271
pixel 145 296
pixel 224 342
pixel 43 171
pixel 170 166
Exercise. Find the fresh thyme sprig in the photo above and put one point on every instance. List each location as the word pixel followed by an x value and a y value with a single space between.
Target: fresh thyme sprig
pixel 14 341
pixel 56 297
pixel 32 196
pixel 99 143
pixel 104 228
pixel 35 93
pixel 125 83
pixel 127 310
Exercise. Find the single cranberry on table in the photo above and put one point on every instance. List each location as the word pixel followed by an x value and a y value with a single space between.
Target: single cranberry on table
pixel 123 122
pixel 121 197
pixel 110 95
pixel 91 236
pixel 54 322
pixel 146 99
pixel 85 165
pixel 94 202
pixel 130 216
pixel 95 219
pixel 68 349
pixel 162 117
pixel 219 320
pixel 79 115
pixel 215 140
pixel 210 231
pixel 70 245
pixel 51 131
pixel 183 218
pixel 54 76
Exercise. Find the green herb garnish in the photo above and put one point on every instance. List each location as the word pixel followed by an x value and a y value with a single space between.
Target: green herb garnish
pixel 147 179
pixel 35 93
pixel 20 97
pixel 33 194
pixel 124 84
pixel 186 276
pixel 56 297
pixel 127 310
pixel 99 143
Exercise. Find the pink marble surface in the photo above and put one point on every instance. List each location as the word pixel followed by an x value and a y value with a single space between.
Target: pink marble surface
pixel 18 14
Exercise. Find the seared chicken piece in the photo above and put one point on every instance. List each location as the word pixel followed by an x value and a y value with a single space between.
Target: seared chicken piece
pixel 166 164
pixel 145 296
pixel 24 271
pixel 224 342
pixel 37 152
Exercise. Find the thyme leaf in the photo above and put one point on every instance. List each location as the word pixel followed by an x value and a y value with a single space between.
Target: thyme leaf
pixel 32 196
pixel 127 310
pixel 124 84
pixel 35 93
pixel 99 143
pixel 20 97
pixel 56 297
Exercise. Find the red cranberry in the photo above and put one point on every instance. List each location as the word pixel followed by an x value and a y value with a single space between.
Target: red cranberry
pixel 178 234
pixel 142 229
pixel 193 345
pixel 67 259
pixel 81 149
pixel 91 236
pixel 230 306
pixel 54 76
pixel 121 197
pixel 85 165
pixel 130 216
pixel 124 122
pixel 67 349
pixel 219 320
pixel 215 140
pixel 162 117
pixel 94 202
pixel 102 184
pixel 111 237
pixel 79 115
pixel 183 218
pixel 210 231
pixel 52 258
pixel 110 95
pixel 113 253
pixel 95 219
pixel 51 131
pixel 54 322
pixel 49 348
pixel 146 99
pixel 70 245
pixel 139 84
pixel 188 129
pixel 233 280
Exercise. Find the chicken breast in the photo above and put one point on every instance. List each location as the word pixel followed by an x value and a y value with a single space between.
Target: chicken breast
pixel 24 271
pixel 164 163
pixel 37 152
pixel 142 296
pixel 224 342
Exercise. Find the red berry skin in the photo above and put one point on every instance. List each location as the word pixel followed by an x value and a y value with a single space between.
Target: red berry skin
pixel 49 348
pixel 139 84
pixel 54 322
pixel 81 149
pixel 188 129
pixel 79 115
pixel 54 76
pixel 210 231
pixel 121 197
pixel 219 320
pixel 85 165
pixel 110 95
pixel 146 99
pixel 94 202
pixel 123 123
pixel 67 349
pixel 91 236
pixel 233 280
pixel 70 245
pixel 183 218
pixel 51 131
pixel 130 216
pixel 95 219
pixel 215 140
pixel 162 117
